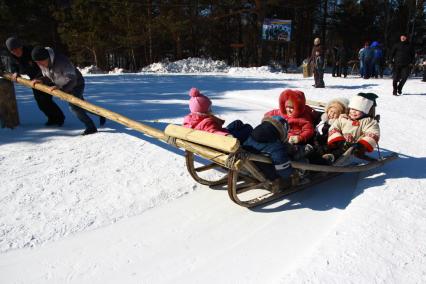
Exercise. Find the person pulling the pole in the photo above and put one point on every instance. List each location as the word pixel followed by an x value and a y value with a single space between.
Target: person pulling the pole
pixel 67 78
pixel 21 63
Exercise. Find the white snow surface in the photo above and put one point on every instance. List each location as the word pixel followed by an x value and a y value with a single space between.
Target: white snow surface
pixel 120 207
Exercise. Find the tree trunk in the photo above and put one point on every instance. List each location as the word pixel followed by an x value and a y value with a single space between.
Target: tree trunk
pixel 9 116
pixel 260 12
pixel 324 21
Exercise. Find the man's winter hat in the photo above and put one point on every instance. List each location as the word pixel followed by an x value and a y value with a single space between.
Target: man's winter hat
pixel 12 43
pixel 198 102
pixel 340 104
pixel 271 129
pixel 39 53
pixel 363 102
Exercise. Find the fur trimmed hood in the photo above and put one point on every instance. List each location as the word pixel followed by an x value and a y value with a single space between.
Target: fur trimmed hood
pixel 297 98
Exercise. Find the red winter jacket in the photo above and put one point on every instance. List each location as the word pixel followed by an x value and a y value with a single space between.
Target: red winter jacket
pixel 205 122
pixel 301 122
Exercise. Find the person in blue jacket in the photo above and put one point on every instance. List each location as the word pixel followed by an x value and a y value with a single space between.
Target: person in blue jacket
pixel 270 138
pixel 377 60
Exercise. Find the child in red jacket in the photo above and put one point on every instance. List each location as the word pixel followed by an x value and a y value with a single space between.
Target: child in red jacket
pixel 299 116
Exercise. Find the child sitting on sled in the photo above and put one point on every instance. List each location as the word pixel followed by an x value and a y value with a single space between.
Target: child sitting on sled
pixel 333 110
pixel 202 118
pixel 270 138
pixel 300 118
pixel 359 128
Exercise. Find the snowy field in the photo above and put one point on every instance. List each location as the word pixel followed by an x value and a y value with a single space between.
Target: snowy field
pixel 120 207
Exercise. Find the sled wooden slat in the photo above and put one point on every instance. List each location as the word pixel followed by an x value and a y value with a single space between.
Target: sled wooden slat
pixel 345 169
pixel 227 144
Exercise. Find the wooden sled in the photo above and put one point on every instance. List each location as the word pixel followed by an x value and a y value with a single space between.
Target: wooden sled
pixel 246 184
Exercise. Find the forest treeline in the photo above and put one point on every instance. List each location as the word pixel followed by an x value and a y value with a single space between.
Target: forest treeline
pixel 134 33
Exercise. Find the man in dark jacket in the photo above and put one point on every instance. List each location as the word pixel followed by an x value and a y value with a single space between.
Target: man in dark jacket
pixel 66 77
pixel 402 55
pixel 21 63
pixel 317 51
pixel 336 61
pixel 343 60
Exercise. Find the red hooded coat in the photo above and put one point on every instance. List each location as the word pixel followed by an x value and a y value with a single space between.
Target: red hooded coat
pixel 302 119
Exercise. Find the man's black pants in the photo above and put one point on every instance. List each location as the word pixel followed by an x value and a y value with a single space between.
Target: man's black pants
pixel 400 75
pixel 46 104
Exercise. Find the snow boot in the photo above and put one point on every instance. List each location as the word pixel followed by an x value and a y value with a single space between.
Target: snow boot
pixel 102 121
pixel 89 131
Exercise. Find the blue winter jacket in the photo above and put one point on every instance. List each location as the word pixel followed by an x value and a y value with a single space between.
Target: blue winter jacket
pixel 367 54
pixel 277 151
pixel 378 55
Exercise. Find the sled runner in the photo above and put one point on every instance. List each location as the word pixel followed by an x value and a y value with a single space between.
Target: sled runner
pixel 228 164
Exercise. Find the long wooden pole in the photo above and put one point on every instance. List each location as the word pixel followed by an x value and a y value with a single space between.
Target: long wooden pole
pixel 208 153
pixel 92 108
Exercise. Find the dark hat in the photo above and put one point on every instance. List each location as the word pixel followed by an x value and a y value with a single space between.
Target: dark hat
pixel 270 130
pixel 39 53
pixel 13 42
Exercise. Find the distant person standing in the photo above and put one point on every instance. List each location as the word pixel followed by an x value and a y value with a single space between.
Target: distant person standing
pixel 424 70
pixel 402 55
pixel 361 63
pixel 21 63
pixel 317 51
pixel 343 60
pixel 66 77
pixel 367 60
pixel 377 60
pixel 335 71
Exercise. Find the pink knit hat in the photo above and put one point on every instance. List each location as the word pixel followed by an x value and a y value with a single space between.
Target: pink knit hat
pixel 199 102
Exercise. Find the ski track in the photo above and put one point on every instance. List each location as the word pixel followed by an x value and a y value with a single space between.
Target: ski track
pixel 63 192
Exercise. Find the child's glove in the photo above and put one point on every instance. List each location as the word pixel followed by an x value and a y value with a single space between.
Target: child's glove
pixel 344 145
pixel 294 139
pixel 358 146
pixel 359 149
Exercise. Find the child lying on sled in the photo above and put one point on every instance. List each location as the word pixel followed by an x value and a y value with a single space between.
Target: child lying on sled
pixel 202 118
pixel 359 128
pixel 270 138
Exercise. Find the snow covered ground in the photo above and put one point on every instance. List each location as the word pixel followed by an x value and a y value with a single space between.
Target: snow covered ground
pixel 120 207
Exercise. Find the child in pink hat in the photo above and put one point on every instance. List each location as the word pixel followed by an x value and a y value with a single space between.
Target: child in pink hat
pixel 202 118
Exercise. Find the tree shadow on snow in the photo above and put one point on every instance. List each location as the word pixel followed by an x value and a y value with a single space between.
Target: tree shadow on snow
pixel 403 94
pixel 363 86
pixel 341 190
pixel 138 97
